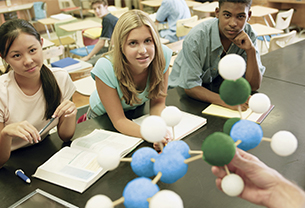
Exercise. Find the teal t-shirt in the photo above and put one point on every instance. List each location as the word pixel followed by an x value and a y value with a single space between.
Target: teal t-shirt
pixel 103 69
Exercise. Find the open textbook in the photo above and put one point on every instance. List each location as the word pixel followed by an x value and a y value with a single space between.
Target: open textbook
pixel 188 124
pixel 217 110
pixel 76 167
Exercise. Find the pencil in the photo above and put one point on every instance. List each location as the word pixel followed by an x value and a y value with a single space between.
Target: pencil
pixel 46 126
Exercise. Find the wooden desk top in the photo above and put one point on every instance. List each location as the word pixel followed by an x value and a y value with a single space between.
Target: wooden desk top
pixel 263 30
pixel 81 25
pixel 16 8
pixel 175 46
pixel 157 3
pixel 260 11
pixel 208 8
pixel 193 24
pixel 47 43
pixel 52 21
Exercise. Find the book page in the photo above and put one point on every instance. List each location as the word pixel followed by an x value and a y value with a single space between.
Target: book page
pixel 217 110
pixel 188 124
pixel 98 139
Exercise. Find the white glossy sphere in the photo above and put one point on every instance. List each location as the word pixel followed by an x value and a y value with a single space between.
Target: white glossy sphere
pixel 166 199
pixel 109 158
pixel 232 184
pixel 153 129
pixel 232 67
pixel 171 115
pixel 98 200
pixel 259 103
pixel 284 143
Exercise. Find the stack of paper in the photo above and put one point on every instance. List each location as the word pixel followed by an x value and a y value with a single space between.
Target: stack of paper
pixel 61 16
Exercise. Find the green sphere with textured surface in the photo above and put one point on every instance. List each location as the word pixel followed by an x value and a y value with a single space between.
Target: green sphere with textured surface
pixel 228 125
pixel 235 92
pixel 218 149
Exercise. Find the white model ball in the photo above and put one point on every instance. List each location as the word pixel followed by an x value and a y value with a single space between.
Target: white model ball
pixel 284 143
pixel 171 115
pixel 109 158
pixel 232 67
pixel 153 129
pixel 98 200
pixel 232 184
pixel 166 199
pixel 259 103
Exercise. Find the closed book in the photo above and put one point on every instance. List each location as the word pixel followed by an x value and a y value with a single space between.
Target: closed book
pixel 64 62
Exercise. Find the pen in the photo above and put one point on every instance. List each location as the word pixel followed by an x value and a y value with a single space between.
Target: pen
pixel 46 126
pixel 21 174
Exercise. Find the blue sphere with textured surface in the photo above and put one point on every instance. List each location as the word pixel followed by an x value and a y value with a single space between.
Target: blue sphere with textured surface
pixel 141 163
pixel 178 146
pixel 249 132
pixel 171 165
pixel 137 191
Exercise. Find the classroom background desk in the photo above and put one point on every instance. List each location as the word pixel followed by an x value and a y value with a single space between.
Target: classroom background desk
pixel 16 8
pixel 197 188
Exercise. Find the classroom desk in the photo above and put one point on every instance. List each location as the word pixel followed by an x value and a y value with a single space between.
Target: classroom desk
pixel 47 43
pixel 263 30
pixel 262 11
pixel 207 7
pixel 193 24
pixel 81 25
pixel 197 188
pixel 51 21
pixel 16 8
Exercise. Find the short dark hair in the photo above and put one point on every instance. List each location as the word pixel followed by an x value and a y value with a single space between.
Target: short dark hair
pixel 247 2
pixel 104 2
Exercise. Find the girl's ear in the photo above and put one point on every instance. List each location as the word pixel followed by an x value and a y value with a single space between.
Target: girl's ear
pixel 41 41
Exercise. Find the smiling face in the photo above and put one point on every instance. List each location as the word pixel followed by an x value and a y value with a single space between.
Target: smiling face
pixel 139 49
pixel 232 19
pixel 25 56
pixel 100 10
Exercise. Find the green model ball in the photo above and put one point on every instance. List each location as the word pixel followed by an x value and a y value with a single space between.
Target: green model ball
pixel 235 92
pixel 228 125
pixel 218 149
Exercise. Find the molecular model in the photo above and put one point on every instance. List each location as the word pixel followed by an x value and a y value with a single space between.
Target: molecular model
pixel 218 149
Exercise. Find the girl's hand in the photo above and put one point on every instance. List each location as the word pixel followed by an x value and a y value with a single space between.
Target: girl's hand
pixel 24 130
pixel 66 108
pixel 168 138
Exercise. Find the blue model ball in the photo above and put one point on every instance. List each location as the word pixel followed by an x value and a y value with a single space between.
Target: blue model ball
pixel 178 146
pixel 249 132
pixel 141 163
pixel 171 165
pixel 137 191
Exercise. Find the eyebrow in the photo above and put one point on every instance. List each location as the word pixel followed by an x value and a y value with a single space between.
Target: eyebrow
pixel 18 51
pixel 244 13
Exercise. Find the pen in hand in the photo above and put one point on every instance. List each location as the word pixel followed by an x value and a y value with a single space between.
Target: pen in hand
pixel 46 126
pixel 21 174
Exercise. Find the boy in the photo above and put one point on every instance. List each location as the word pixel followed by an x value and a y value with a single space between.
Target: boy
pixel 208 42
pixel 100 8
pixel 171 11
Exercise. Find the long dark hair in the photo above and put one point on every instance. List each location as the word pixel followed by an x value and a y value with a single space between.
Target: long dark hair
pixel 9 31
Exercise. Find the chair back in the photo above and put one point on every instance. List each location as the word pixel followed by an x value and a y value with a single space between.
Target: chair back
pixel 53 52
pixel 283 19
pixel 280 41
pixel 60 32
pixel 181 30
pixel 39 10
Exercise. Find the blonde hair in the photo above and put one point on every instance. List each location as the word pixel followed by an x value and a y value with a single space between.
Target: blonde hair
pixel 127 22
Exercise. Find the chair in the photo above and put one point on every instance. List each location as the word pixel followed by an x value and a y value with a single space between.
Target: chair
pixel 282 22
pixel 40 11
pixel 68 6
pixel 53 52
pixel 64 37
pixel 181 30
pixel 280 41
pixel 89 43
